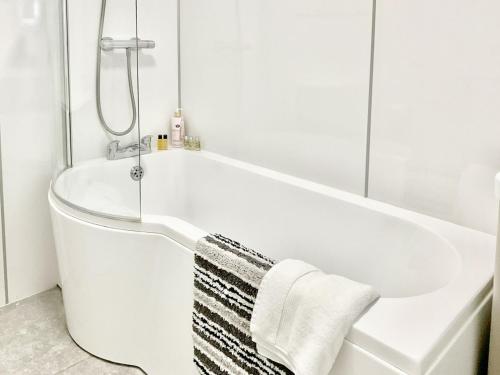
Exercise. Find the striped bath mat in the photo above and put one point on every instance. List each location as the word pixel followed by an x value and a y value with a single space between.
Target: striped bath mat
pixel 226 280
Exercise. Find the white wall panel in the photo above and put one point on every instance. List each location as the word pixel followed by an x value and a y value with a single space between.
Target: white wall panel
pixel 280 83
pixel 30 97
pixel 436 114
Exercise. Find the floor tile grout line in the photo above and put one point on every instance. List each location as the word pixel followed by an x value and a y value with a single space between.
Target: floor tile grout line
pixel 74 364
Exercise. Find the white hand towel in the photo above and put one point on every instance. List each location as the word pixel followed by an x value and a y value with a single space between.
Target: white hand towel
pixel 301 316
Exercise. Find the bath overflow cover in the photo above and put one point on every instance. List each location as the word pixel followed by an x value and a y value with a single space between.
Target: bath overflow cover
pixel 136 173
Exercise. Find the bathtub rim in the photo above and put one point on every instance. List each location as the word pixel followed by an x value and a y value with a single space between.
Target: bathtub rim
pixel 412 361
pixel 406 215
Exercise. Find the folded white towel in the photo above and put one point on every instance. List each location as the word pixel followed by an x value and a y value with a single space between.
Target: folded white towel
pixel 302 315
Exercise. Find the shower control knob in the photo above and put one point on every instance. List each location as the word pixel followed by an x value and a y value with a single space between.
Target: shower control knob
pixel 136 173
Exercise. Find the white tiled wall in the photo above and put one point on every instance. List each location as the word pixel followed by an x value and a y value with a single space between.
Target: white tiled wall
pixel 2 279
pixel 436 114
pixel 30 108
pixel 157 20
pixel 280 83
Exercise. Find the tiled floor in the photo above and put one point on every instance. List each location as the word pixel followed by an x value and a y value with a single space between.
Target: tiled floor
pixel 34 340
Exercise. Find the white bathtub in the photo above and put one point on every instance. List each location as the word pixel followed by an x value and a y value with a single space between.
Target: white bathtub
pixel 127 284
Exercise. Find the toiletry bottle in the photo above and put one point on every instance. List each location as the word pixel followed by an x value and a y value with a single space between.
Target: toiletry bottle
pixel 159 143
pixel 196 144
pixel 165 141
pixel 177 129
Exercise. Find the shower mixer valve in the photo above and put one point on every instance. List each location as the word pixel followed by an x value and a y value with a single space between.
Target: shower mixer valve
pixel 115 151
pixel 109 44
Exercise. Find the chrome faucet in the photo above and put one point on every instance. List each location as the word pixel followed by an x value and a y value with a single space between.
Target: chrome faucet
pixel 115 151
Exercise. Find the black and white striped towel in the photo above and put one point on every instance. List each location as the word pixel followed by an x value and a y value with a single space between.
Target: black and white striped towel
pixel 227 276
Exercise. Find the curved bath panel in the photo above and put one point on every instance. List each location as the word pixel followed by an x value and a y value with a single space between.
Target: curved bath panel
pixel 121 294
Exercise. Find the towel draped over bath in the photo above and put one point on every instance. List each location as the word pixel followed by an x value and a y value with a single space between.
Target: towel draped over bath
pixel 302 315
pixel 253 316
pixel 227 277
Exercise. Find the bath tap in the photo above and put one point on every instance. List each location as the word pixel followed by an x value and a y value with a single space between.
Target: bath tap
pixel 115 151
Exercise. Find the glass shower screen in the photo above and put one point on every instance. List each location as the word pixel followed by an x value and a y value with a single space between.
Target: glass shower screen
pixel 102 74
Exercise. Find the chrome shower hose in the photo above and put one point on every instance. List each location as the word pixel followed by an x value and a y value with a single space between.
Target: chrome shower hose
pixel 98 82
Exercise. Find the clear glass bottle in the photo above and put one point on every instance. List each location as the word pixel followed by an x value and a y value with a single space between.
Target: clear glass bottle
pixel 196 144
